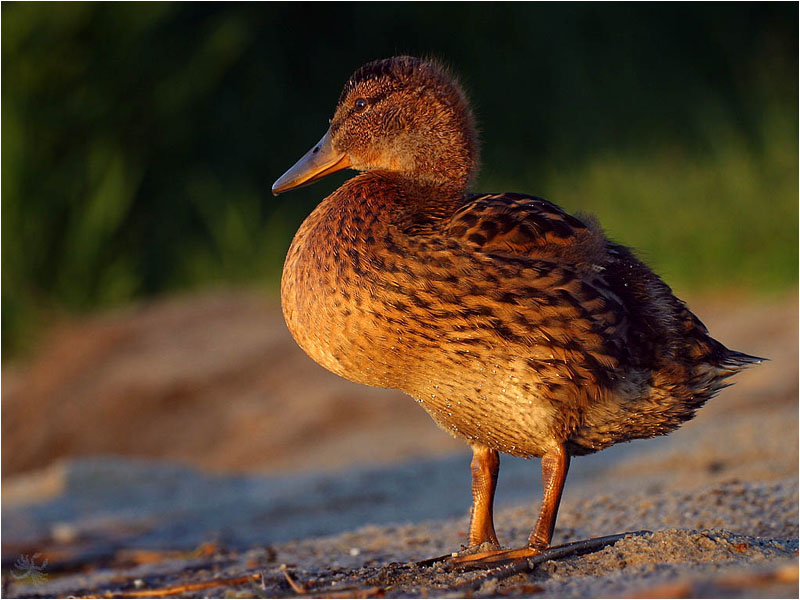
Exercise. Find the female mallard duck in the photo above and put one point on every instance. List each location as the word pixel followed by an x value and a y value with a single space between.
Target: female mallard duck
pixel 517 326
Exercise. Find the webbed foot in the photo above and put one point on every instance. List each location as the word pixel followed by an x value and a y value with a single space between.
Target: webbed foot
pixel 493 558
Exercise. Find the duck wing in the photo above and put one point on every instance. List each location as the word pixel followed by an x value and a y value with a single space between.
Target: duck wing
pixel 635 313
pixel 529 226
pixel 550 282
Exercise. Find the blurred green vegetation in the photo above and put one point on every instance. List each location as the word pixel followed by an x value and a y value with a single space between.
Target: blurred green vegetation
pixel 140 140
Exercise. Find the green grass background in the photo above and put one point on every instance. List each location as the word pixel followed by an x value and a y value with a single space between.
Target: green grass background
pixel 140 140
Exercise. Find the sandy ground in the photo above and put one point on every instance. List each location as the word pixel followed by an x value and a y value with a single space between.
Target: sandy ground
pixel 352 495
pixel 213 381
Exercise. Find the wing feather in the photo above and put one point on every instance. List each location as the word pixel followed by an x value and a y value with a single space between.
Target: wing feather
pixel 527 226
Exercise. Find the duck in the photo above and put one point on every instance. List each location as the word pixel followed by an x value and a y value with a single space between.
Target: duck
pixel 518 327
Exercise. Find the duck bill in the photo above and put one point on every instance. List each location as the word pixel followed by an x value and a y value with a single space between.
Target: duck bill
pixel 320 161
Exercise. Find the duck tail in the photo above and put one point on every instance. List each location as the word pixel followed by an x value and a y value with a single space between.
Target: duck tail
pixel 731 362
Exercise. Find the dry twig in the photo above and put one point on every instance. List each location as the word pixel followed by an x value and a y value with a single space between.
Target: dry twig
pixel 298 588
pixel 331 592
pixel 563 551
pixel 174 590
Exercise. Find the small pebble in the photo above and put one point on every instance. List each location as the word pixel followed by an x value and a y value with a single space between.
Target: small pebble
pixel 64 533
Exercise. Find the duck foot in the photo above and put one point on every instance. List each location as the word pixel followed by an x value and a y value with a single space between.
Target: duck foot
pixel 529 565
pixel 505 563
pixel 493 558
pixel 477 549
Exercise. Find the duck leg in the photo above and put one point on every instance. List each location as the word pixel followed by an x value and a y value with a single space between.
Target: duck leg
pixel 555 465
pixel 485 466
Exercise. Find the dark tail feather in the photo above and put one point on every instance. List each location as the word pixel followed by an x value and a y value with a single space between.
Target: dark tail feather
pixel 734 362
pixel 740 359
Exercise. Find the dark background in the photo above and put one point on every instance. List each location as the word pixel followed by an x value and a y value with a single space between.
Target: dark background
pixel 140 140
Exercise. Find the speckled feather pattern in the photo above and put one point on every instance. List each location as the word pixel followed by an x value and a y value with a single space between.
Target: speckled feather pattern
pixel 513 323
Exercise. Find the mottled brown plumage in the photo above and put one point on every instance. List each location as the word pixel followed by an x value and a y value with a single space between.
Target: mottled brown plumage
pixel 517 326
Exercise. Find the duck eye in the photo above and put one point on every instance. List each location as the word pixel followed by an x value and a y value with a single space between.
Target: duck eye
pixel 361 104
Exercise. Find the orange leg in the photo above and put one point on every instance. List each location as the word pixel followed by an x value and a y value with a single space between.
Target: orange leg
pixel 555 465
pixel 485 465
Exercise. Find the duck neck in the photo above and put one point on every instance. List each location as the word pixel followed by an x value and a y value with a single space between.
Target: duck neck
pixel 447 167
pixel 408 201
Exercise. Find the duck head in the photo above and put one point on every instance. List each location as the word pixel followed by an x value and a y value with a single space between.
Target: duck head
pixel 399 114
